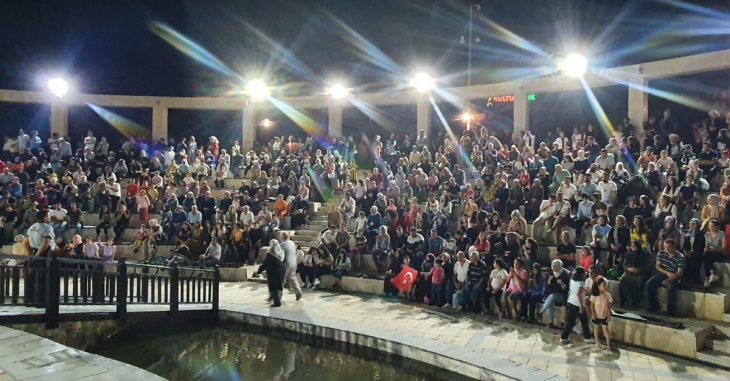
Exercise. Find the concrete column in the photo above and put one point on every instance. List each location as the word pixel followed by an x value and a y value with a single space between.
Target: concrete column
pixel 59 118
pixel 248 129
pixel 159 123
pixel 423 117
pixel 335 121
pixel 639 104
pixel 521 112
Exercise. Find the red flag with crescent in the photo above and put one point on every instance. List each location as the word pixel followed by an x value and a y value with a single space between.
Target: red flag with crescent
pixel 405 279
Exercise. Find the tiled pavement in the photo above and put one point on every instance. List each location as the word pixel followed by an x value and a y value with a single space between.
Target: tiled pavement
pixel 501 343
pixel 535 347
pixel 24 356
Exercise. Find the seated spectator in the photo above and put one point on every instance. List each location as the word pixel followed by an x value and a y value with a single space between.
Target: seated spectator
pixel 341 266
pixel 566 251
pixel 534 295
pixel 327 240
pixel 515 288
pixel 670 265
pixel 212 255
pixel 556 290
pixel 636 270
pixel 715 251
pixel 495 286
pixel 347 206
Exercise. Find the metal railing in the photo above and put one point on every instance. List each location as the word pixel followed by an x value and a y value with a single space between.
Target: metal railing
pixel 51 282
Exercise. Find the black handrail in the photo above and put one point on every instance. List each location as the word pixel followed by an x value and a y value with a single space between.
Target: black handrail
pixel 51 282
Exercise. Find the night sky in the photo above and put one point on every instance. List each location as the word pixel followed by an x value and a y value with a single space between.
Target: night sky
pixel 109 47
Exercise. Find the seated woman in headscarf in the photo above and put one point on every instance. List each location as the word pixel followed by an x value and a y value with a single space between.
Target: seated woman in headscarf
pixel 637 268
pixel 693 248
pixel 274 272
pixel 668 231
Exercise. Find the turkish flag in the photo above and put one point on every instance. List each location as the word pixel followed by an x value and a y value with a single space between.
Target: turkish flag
pixel 405 279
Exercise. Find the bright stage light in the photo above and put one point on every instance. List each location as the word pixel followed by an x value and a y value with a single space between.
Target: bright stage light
pixel 339 91
pixel 574 65
pixel 423 82
pixel 466 116
pixel 266 123
pixel 58 86
pixel 257 89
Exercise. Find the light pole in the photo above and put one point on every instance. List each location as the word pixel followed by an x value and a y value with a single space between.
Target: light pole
pixel 472 7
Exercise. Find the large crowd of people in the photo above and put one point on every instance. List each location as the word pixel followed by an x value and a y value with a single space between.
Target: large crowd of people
pixel 616 205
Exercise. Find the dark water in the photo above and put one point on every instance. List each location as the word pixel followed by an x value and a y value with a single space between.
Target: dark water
pixel 195 352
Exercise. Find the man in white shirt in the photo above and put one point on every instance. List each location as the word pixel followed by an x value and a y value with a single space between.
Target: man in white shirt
pixel 461 275
pixel 605 161
pixel 23 141
pixel 58 220
pixel 553 212
pixel 327 240
pixel 347 206
pixel 608 191
pixel 41 238
pixel 247 216
pixel 169 156
pixel 290 264
pixel 90 142
pixel 568 190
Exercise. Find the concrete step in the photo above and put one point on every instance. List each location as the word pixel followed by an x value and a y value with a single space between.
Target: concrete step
pixel 713 357
pixel 128 235
pixel 723 270
pixel 719 344
pixel 90 219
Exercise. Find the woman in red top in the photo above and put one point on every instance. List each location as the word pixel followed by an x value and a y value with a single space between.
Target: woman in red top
pixel 482 243
pixel 402 220
pixel 586 258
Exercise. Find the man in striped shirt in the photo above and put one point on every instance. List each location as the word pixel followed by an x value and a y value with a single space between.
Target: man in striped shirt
pixel 670 265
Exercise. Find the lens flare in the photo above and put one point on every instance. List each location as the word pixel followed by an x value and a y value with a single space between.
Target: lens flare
pixel 339 91
pixel 128 128
pixel 58 86
pixel 423 82
pixel 258 90
pixel 574 65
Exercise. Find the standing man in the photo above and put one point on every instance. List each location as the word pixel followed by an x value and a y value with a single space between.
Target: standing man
pixel 42 242
pixel 290 264
pixel 41 238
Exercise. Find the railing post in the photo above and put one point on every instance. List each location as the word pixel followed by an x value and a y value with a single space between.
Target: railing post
pixel 28 294
pixel 216 297
pixel 53 293
pixel 97 283
pixel 145 283
pixel 174 291
pixel 122 292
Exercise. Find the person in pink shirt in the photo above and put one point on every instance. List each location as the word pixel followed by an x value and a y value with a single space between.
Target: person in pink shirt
pixel 516 286
pixel 143 205
pixel 601 302
pixel 437 279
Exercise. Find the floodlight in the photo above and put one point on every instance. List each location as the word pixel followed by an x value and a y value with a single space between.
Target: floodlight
pixel 339 91
pixel 58 86
pixel 257 89
pixel 574 65
pixel 423 82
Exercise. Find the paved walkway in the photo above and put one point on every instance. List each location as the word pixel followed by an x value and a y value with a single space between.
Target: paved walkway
pixel 25 356
pixel 537 347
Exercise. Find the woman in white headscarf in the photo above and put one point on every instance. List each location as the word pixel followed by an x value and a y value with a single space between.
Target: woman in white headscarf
pixel 274 272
